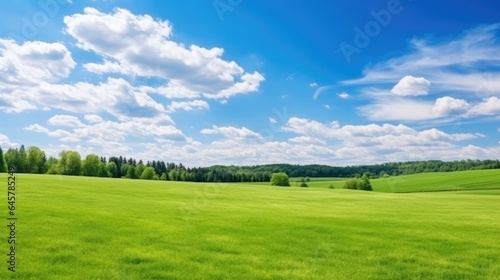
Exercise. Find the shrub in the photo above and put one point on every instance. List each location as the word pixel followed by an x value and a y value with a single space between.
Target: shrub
pixel 280 179
pixel 351 184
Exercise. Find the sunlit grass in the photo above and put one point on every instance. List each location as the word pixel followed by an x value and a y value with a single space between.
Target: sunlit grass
pixel 91 228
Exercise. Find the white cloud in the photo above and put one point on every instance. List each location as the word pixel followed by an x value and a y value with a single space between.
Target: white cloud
pixel 466 66
pixel 321 90
pixel 30 72
pixel 37 128
pixel 343 95
pixel 65 120
pixel 398 110
pixel 489 106
pixel 188 105
pixel 143 46
pixel 231 132
pixel 437 61
pixel 110 136
pixel 93 119
pixel 411 86
pixel 313 84
pixel 272 120
pixel 306 140
pixel 59 133
pixel 386 135
pixel 418 145
pixel 327 106
pixel 5 141
pixel 446 106
pixel 33 61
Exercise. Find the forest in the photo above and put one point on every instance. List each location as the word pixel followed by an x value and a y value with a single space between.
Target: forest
pixel 34 160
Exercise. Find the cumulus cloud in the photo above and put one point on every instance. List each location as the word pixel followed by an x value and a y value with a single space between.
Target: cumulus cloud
pixel 33 61
pixel 65 120
pixel 386 135
pixel 489 106
pixel 466 66
pixel 111 136
pixel 188 105
pixel 30 78
pixel 306 140
pixel 37 128
pixel 446 106
pixel 410 86
pixel 5 141
pixel 93 118
pixel 231 132
pixel 396 109
pixel 437 59
pixel 143 46
pixel 328 143
pixel 343 95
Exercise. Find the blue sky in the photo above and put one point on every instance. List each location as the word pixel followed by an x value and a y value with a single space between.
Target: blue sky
pixel 252 82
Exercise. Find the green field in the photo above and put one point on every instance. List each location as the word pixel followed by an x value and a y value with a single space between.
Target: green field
pixel 425 182
pixel 92 228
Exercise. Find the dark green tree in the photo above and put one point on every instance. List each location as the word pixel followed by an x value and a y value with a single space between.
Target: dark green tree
pixel 51 165
pixel 36 160
pixel 23 160
pixel 112 169
pixel 131 173
pixel 70 163
pixel 364 183
pixel 148 173
pixel 351 184
pixel 91 165
pixel 3 165
pixel 280 179
pixel 103 170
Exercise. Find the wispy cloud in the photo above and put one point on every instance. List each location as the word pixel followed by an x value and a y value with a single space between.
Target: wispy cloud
pixel 462 71
pixel 321 90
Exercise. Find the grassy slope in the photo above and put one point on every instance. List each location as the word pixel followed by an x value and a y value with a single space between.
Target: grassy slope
pixel 440 181
pixel 90 228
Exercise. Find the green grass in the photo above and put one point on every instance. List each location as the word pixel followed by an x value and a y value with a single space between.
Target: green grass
pixel 91 228
pixel 424 182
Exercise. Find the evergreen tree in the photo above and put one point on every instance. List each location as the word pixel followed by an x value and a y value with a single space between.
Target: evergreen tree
pixel 3 165
pixel 364 183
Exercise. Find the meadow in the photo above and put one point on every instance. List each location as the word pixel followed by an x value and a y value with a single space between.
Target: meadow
pixel 424 182
pixel 100 228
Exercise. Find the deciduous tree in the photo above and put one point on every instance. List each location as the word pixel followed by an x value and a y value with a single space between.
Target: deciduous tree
pixel 36 160
pixel 280 179
pixel 148 173
pixel 91 165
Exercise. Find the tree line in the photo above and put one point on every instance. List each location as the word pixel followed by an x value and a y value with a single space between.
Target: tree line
pixel 34 160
